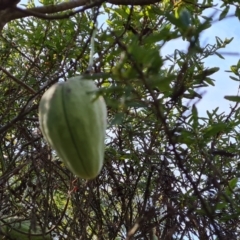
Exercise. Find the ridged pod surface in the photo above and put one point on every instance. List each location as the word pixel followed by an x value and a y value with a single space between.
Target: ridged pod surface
pixel 73 121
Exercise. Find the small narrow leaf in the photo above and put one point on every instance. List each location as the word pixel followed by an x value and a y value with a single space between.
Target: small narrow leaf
pixel 235 79
pixel 224 13
pixel 219 55
pixel 233 98
pixel 195 116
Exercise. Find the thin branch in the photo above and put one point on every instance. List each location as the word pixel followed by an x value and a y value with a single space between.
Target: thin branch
pixel 133 2
pixel 40 12
pixel 50 9
pixel 18 81
pixel 35 13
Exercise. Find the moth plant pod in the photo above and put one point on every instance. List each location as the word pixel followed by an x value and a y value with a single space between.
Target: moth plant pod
pixel 73 120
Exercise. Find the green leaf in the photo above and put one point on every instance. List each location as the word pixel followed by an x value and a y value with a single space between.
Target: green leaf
pixel 234 69
pixel 233 98
pixel 195 117
pixel 224 13
pixel 209 81
pixel 117 119
pixel 235 79
pixel 219 55
pixel 233 183
pixel 227 41
pixel 237 12
pixel 215 128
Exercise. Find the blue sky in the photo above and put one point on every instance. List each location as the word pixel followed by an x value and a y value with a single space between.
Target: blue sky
pixel 227 28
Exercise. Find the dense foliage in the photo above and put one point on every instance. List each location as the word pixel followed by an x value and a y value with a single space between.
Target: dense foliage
pixel 169 173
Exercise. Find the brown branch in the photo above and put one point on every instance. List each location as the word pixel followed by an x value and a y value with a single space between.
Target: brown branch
pixel 14 12
pixel 33 12
pixel 133 2
pixel 17 80
pixel 50 9
pixel 4 4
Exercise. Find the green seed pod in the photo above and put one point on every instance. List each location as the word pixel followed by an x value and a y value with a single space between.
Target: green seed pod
pixel 185 17
pixel 73 121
